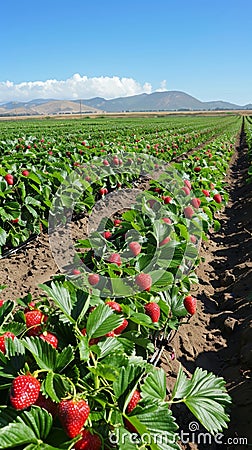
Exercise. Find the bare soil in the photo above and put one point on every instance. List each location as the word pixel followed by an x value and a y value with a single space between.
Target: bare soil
pixel 219 337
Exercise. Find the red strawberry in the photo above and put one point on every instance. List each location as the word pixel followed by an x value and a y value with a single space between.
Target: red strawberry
pixel 114 305
pixel 206 192
pixel 188 184
pixel 197 169
pixel 88 441
pixel 136 397
pixel 116 161
pixel 188 212
pixel 105 162
pixel 164 241
pixel 115 258
pixel 93 279
pixel 166 220
pixel 167 199
pixel 153 311
pixel 107 234
pixel 144 281
pixel 9 179
pixel 186 190
pixel 47 404
pixel 190 304
pixel 135 248
pixel 25 173
pixel 103 191
pixel 1 302
pixel 122 327
pixel 217 198
pixel 2 340
pixel 73 415
pixel 50 338
pixel 33 320
pixel 195 202
pixel 24 391
pixel 193 239
pixel 117 222
pixel 76 272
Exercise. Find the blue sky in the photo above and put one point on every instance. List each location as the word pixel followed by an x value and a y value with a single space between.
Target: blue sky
pixel 113 48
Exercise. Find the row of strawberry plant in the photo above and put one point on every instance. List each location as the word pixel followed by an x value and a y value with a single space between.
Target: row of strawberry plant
pixel 26 193
pixel 75 371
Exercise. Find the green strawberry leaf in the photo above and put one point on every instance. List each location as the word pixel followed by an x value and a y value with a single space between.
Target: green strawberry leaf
pixel 154 386
pixel 44 353
pixel 157 425
pixel 61 298
pixel 38 420
pixel 16 434
pixel 206 397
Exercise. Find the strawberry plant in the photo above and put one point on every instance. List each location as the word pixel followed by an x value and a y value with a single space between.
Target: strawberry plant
pixel 91 394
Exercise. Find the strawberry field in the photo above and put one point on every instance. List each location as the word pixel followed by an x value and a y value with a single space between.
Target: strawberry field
pixel 80 360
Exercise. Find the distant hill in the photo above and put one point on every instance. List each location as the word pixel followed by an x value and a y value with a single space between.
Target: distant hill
pixel 157 101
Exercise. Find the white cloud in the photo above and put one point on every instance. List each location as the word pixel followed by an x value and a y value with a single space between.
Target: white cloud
pixel 162 87
pixel 74 87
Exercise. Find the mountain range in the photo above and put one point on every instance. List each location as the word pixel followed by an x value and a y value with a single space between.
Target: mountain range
pixel 157 101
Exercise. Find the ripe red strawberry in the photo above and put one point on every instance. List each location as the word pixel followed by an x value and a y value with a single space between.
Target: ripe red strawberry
pixel 2 340
pixel 107 234
pixel 144 281
pixel 114 305
pixel 186 190
pixel 15 220
pixel 117 222
pixel 153 311
pixel 9 179
pixel 136 397
pixel 190 304
pixel 73 415
pixel 122 327
pixel 47 404
pixel 33 320
pixel 188 212
pixel 135 248
pixel 197 169
pixel 195 202
pixel 25 173
pixel 164 241
pixel 88 441
pixel 167 199
pixel 187 183
pixel 105 162
pixel 115 258
pixel 217 198
pixel 76 272
pixel 166 220
pixel 103 191
pixel 24 391
pixel 1 302
pixel 93 279
pixel 116 161
pixel 206 192
pixel 50 338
